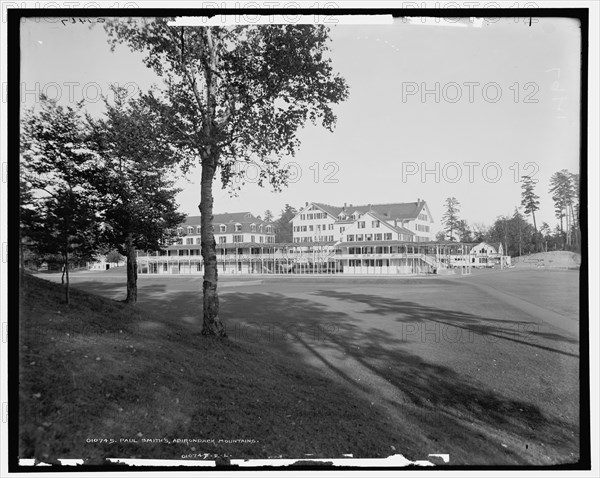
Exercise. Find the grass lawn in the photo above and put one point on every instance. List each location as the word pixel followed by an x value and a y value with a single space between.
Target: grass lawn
pixel 102 370
pixel 312 367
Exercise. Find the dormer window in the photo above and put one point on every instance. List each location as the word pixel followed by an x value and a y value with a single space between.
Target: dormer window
pixel 222 228
pixel 260 228
pixel 238 227
pixel 190 230
pixel 268 228
pixel 253 227
pixel 198 230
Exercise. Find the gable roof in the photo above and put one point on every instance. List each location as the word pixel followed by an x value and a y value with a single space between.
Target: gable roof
pixel 403 210
pixel 495 245
pixel 230 220
pixel 384 224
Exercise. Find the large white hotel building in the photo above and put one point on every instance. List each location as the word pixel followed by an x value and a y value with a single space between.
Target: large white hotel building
pixel 382 239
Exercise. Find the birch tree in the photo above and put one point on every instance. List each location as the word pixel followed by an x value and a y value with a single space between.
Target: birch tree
pixel 234 95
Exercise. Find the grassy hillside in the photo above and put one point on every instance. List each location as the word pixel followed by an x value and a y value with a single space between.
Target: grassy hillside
pixel 549 260
pixel 101 370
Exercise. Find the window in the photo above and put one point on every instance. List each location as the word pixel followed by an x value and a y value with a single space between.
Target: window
pixel 350 238
pixel 310 228
pixel 368 237
pixel 378 237
pixel 179 241
pixel 375 224
pixel 223 240
pixel 359 237
pixel 252 238
pixel 238 238
pixel 190 230
pixel 189 240
pixel 223 228
pixel 387 236
pixel 253 227
pixel 260 238
pixel 268 229
pixel 198 240
pixel 342 229
pixel 238 227
pixel 324 226
pixel 302 217
pixel 361 224
pixel 260 228
pixel 330 227
pixel 198 229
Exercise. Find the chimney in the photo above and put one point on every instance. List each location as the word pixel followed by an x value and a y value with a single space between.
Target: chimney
pixel 306 204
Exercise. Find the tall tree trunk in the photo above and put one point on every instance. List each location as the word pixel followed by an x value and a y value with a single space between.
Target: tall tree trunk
pixel 574 226
pixel 537 241
pixel 67 295
pixel 21 257
pixel 211 324
pixel 131 272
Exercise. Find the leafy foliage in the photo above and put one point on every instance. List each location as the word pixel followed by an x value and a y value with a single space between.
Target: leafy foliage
pixel 59 207
pixel 238 93
pixel 135 176
pixel 283 227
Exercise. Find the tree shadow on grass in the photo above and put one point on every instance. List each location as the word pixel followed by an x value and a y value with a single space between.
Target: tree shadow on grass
pixel 520 331
pixel 438 401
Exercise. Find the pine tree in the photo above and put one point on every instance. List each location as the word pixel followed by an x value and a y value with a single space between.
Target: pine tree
pixel 58 165
pixel 450 218
pixel 135 180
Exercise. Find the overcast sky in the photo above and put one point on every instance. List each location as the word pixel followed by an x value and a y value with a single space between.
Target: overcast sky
pixel 474 143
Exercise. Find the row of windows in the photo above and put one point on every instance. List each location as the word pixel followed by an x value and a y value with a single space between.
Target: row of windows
pixel 369 262
pixel 317 239
pixel 318 227
pixel 311 216
pixel 223 239
pixel 422 228
pixel 387 236
pixel 223 228
pixel 423 217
